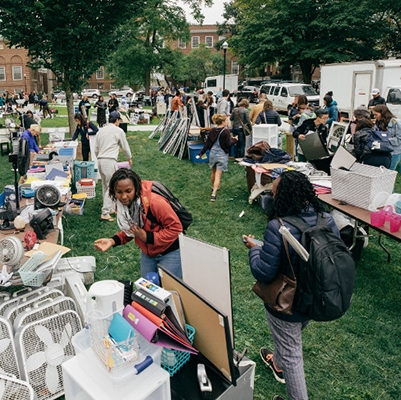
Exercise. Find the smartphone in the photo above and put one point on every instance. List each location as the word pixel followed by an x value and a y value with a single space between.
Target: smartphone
pixel 252 240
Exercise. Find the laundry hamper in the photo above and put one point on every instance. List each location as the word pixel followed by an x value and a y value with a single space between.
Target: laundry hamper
pixel 361 184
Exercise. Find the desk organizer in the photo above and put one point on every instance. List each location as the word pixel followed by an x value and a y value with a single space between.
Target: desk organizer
pixel 173 360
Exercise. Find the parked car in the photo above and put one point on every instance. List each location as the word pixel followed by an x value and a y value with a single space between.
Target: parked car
pixel 248 92
pixel 94 93
pixel 60 95
pixel 282 94
pixel 127 92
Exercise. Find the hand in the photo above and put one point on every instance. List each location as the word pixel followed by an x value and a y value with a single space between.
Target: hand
pixel 301 137
pixel 138 232
pixel 104 244
pixel 236 137
pixel 130 162
pixel 248 244
pixel 87 136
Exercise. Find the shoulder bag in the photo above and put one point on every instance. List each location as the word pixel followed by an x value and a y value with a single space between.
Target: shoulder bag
pixel 279 294
pixel 245 128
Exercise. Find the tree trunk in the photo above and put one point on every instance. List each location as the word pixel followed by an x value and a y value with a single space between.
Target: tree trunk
pixel 306 68
pixel 70 111
pixel 147 83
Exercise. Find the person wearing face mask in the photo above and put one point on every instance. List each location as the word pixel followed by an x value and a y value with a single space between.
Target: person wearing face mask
pixel 147 218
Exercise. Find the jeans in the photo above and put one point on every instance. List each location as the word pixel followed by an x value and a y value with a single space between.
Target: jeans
pixel 287 338
pixel 170 261
pixel 240 145
pixel 395 160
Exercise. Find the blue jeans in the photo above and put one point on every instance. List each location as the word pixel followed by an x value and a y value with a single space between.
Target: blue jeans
pixel 240 145
pixel 395 160
pixel 287 338
pixel 170 261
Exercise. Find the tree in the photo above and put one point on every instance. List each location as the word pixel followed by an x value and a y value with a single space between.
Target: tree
pixel 71 38
pixel 308 32
pixel 145 47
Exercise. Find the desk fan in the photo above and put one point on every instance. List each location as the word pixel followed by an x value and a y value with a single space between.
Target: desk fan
pixel 7 215
pixel 47 196
pixel 11 251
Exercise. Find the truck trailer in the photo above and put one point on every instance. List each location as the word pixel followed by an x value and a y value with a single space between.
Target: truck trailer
pixel 352 84
pixel 214 83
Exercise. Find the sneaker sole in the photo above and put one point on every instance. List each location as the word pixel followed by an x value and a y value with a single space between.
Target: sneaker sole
pixel 278 379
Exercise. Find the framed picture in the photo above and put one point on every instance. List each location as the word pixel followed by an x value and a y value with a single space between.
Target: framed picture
pixel 337 135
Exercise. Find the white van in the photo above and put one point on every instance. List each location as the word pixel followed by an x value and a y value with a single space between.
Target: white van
pixel 282 94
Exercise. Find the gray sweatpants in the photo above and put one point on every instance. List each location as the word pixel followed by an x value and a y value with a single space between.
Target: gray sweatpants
pixel 287 338
pixel 107 167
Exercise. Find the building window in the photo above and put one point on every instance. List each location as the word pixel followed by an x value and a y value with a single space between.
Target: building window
pixel 2 73
pixel 100 86
pixel 234 67
pixel 17 73
pixel 182 44
pixel 100 73
pixel 195 42
pixel 209 41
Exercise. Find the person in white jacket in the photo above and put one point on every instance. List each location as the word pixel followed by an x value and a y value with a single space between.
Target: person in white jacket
pixel 109 140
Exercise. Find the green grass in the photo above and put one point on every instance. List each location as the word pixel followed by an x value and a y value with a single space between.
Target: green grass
pixel 355 357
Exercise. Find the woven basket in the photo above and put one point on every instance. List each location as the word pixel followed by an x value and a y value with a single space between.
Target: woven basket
pixel 360 185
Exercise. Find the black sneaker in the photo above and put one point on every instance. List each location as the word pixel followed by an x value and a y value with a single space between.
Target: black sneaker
pixel 267 357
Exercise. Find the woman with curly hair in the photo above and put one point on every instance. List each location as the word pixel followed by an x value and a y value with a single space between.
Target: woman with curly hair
pixel 146 217
pixel 293 195
pixel 386 121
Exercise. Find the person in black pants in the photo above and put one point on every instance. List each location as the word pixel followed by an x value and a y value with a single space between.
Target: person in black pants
pixel 84 129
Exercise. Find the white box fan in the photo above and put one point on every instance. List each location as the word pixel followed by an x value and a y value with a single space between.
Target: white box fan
pixel 11 251
pixel 12 388
pixel 42 347
pixel 8 360
pixel 20 296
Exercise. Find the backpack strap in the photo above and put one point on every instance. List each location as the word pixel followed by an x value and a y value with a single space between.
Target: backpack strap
pixel 301 225
pixel 287 251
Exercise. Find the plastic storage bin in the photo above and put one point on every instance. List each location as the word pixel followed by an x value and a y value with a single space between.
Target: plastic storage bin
pixel 194 150
pixel 265 132
pixel 173 360
pixel 75 207
pixel 65 145
pixel 90 190
pixel 84 169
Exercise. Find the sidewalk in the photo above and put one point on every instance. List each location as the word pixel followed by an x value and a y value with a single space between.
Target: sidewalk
pixel 131 128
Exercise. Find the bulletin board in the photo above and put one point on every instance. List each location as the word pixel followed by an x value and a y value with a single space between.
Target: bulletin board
pixel 206 269
pixel 212 334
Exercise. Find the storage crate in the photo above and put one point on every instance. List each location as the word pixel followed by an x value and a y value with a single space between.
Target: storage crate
pixel 65 145
pixel 89 190
pixel 266 133
pixel 173 360
pixel 360 185
pixel 75 207
pixel 27 271
pixel 84 169
pixel 194 150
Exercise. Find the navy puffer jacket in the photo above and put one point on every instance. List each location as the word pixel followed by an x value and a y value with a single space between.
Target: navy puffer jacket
pixel 268 260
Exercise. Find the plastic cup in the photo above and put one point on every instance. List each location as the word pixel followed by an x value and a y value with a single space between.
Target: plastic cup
pixel 395 223
pixel 377 218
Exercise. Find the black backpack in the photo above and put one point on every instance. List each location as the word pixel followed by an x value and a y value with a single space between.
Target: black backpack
pixel 326 280
pixel 379 142
pixel 183 214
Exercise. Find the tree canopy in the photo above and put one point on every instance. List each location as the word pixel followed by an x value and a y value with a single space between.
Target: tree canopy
pixel 72 38
pixel 309 32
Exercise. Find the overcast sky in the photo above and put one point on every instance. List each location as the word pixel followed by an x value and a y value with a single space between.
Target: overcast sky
pixel 212 14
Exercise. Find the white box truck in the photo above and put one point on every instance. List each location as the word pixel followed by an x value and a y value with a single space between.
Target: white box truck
pixel 214 83
pixel 352 84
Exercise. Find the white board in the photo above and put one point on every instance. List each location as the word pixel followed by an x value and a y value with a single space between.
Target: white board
pixel 206 268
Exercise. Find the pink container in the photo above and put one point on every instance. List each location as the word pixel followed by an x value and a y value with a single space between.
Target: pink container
pixel 388 212
pixel 377 218
pixel 395 223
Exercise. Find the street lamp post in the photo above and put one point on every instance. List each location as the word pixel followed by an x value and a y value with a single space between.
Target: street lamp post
pixel 224 47
pixel 25 82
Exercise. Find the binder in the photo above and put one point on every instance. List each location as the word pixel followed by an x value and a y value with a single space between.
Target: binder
pixel 156 333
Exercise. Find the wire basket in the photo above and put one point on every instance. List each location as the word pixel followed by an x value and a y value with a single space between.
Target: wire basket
pixel 28 275
pixel 173 360
pixel 114 356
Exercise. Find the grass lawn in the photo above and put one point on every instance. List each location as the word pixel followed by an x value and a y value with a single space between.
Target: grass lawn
pixel 355 357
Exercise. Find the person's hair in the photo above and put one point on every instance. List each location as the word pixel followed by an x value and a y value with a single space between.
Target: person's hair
pixel 267 105
pixel 29 112
pixel 385 113
pixel 262 95
pixel 210 93
pixel 262 91
pixel 120 175
pixel 328 99
pixel 321 111
pixel 361 112
pixel 218 119
pixel 80 118
pixel 101 98
pixel 294 194
pixel 302 107
pixel 363 123
pixel 200 103
pixel 35 128
pixel 177 93
pixel 226 92
pixel 330 93
pixel 244 103
pixel 302 99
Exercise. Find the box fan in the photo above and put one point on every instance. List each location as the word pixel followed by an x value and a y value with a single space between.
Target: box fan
pixel 47 196
pixel 8 360
pixel 11 251
pixel 42 347
pixel 20 297
pixel 12 388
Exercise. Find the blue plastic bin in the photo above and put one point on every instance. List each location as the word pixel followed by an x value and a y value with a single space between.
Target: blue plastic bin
pixel 194 150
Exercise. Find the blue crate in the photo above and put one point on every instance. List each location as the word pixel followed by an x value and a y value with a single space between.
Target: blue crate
pixel 194 150
pixel 173 360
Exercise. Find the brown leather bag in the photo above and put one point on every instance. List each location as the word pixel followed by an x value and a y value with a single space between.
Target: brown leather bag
pixel 257 151
pixel 278 294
